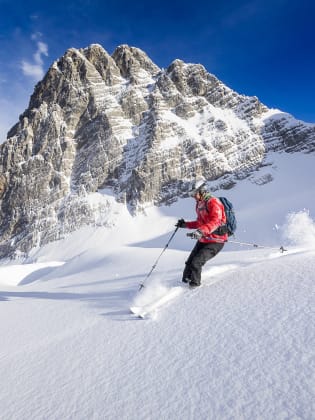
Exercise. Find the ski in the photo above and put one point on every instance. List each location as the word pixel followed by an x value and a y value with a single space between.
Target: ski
pixel 144 311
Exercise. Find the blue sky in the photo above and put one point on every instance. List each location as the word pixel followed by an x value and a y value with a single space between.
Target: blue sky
pixel 260 47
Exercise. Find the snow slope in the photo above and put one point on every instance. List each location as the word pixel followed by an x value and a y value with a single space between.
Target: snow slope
pixel 240 347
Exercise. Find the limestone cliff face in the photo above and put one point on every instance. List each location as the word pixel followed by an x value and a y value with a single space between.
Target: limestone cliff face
pixel 120 122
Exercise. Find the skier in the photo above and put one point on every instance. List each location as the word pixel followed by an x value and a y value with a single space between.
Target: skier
pixel 210 217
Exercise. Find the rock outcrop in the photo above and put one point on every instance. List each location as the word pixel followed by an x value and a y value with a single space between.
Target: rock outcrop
pixel 120 122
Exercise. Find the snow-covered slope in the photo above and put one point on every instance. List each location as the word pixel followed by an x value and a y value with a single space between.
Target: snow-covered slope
pixel 241 347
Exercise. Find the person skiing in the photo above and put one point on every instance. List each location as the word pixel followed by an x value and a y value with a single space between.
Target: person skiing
pixel 210 238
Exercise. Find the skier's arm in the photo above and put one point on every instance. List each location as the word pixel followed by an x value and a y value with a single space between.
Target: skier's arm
pixel 193 225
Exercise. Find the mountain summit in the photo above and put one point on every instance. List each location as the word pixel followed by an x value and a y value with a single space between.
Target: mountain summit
pixel 101 125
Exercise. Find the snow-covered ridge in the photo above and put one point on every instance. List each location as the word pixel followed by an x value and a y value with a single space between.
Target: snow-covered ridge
pixel 120 122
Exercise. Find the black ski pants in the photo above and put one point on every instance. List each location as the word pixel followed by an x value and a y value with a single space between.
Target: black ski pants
pixel 201 253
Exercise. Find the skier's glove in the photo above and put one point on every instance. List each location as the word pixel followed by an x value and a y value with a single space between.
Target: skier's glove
pixel 195 235
pixel 181 223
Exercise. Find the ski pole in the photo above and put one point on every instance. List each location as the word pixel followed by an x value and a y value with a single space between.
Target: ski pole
pixel 156 262
pixel 241 243
pixel 258 246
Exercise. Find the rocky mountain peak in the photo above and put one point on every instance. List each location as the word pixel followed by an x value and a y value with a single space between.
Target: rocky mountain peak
pixel 103 63
pixel 190 79
pixel 132 62
pixel 99 122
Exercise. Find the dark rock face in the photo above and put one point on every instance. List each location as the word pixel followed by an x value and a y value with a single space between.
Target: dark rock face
pixel 119 122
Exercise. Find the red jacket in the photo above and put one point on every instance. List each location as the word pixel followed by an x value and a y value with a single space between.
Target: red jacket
pixel 210 216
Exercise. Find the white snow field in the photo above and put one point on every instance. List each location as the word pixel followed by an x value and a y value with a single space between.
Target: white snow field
pixel 242 346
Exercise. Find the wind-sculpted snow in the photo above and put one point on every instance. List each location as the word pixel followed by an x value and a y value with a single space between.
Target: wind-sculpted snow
pixel 123 124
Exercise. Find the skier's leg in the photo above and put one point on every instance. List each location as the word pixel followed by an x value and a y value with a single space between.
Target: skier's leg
pixel 200 257
pixel 187 271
